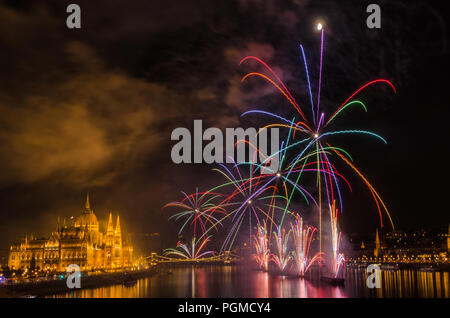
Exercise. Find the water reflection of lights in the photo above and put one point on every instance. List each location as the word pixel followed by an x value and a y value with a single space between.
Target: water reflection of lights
pixel 233 281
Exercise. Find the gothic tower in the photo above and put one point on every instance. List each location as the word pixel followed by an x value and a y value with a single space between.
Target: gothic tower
pixel 110 231
pixel 117 249
pixel 109 242
pixel 376 252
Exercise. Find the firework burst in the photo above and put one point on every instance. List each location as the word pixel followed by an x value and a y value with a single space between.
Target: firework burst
pixel 316 131
pixel 303 236
pixel 197 210
pixel 282 258
pixel 337 258
pixel 192 251
pixel 264 199
pixel 261 243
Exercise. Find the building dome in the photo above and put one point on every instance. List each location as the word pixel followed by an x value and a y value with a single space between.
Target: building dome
pixel 87 218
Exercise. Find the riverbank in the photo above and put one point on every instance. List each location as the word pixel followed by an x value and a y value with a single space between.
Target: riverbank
pixel 401 265
pixel 44 288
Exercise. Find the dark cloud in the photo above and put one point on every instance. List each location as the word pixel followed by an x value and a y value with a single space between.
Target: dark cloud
pixel 88 127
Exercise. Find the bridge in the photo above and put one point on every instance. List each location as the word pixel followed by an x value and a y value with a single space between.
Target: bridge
pixel 224 258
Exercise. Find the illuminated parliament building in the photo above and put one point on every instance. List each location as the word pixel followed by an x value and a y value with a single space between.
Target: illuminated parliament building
pixel 81 242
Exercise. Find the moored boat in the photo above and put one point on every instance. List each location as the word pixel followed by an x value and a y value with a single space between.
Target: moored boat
pixel 428 269
pixel 129 280
pixel 129 283
pixel 389 267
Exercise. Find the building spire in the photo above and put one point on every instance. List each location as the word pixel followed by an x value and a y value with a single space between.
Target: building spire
pixel 110 227
pixel 117 225
pixel 88 204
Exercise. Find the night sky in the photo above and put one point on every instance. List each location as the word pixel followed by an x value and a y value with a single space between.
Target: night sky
pixel 92 110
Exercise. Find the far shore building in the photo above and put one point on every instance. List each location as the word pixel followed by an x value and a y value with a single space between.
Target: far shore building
pixel 82 242
pixel 418 245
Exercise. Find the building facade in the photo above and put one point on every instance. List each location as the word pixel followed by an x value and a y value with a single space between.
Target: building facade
pixel 81 242
pixel 412 246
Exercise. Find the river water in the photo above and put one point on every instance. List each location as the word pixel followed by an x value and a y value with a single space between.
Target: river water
pixel 241 281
